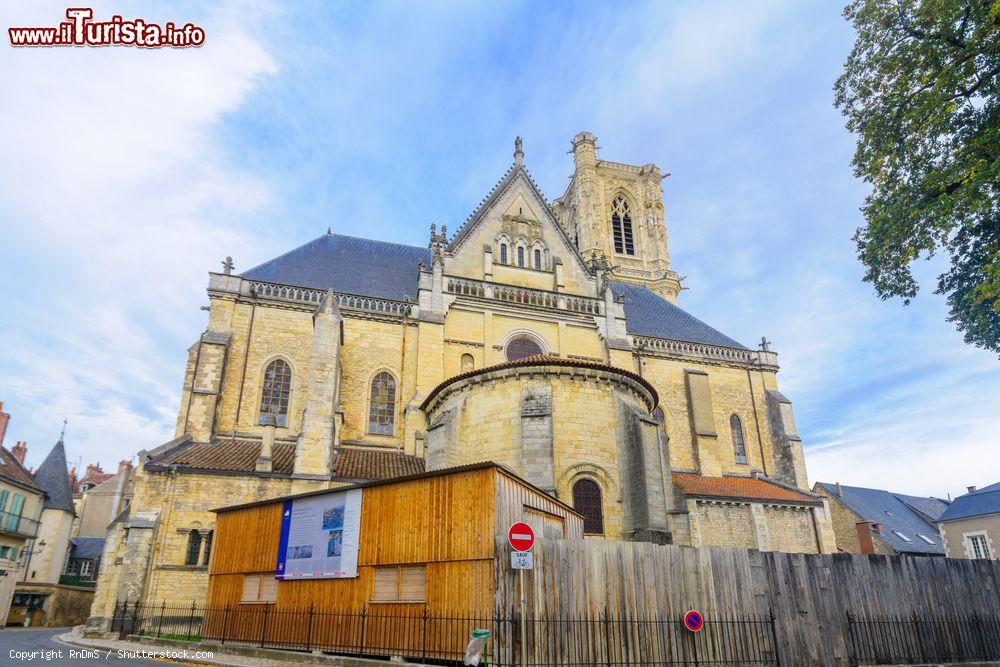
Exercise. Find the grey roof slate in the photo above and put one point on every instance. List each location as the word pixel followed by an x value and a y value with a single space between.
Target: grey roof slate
pixel 977 503
pixel 884 507
pixel 348 265
pixel 649 314
pixel 53 477
pixel 930 506
pixel 86 547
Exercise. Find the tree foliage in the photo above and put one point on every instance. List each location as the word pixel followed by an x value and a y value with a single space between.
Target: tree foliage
pixel 920 91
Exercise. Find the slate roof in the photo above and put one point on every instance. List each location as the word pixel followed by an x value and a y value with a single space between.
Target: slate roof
pixel 234 455
pixel 86 547
pixel 53 477
pixel 739 487
pixel 978 503
pixel 886 508
pixel 930 507
pixel 649 314
pixel 349 265
pixel 11 468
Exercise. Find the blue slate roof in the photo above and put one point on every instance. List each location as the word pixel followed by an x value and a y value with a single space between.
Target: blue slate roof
pixel 649 314
pixel 86 547
pixel 930 507
pixel 977 503
pixel 348 265
pixel 885 508
pixel 53 477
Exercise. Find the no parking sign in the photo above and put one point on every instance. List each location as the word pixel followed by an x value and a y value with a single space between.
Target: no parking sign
pixel 694 621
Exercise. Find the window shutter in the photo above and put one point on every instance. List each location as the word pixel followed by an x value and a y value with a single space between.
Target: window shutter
pixel 268 588
pixel 3 500
pixel 251 588
pixel 386 583
pixel 413 583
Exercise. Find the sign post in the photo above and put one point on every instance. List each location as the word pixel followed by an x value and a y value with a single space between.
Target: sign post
pixel 521 538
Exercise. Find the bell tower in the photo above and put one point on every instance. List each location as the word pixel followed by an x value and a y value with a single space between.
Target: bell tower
pixel 615 211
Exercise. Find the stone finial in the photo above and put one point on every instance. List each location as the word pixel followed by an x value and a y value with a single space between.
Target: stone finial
pixel 518 151
pixel 227 266
pixel 765 344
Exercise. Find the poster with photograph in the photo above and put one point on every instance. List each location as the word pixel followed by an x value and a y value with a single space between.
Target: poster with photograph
pixel 320 536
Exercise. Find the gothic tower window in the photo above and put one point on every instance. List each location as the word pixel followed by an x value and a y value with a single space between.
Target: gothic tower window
pixel 587 501
pixel 521 347
pixel 503 253
pixel 193 548
pixel 275 391
pixel 520 255
pixel 538 259
pixel 382 408
pixel 739 446
pixel 621 225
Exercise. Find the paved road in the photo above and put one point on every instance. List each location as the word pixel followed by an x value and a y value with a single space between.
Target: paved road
pixel 42 641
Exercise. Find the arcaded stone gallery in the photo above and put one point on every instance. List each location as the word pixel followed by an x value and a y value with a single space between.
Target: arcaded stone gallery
pixel 543 335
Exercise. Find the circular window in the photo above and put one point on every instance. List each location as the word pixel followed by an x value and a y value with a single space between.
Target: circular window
pixel 521 347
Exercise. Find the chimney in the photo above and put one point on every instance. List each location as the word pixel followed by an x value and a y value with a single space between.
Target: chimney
pixel 4 418
pixel 124 465
pixel 971 489
pixel 72 479
pixel 865 540
pixel 840 491
pixel 879 528
pixel 264 462
pixel 20 451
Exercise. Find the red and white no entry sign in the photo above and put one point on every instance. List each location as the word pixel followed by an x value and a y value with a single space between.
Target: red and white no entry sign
pixel 521 536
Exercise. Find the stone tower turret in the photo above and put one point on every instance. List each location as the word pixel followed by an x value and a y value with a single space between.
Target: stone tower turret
pixel 615 211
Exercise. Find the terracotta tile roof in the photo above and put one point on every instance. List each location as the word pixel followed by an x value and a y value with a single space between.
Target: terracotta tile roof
pixel 12 470
pixel 538 360
pixel 232 455
pixel 96 478
pixel 738 487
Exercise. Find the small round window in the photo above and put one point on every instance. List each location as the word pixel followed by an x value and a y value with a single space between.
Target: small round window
pixel 521 347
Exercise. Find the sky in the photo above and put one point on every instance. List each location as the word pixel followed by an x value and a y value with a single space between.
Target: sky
pixel 135 172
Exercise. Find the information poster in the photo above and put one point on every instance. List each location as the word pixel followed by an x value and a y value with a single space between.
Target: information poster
pixel 320 537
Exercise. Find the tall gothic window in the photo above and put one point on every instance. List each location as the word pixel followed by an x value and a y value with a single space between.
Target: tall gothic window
pixel 521 347
pixel 538 259
pixel 382 408
pixel 274 394
pixel 587 501
pixel 520 255
pixel 739 446
pixel 621 225
pixel 208 547
pixel 193 548
pixel 503 253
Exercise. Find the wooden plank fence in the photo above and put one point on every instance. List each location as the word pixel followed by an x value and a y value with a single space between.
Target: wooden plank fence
pixel 809 595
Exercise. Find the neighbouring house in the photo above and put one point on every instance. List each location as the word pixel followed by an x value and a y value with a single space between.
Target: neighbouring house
pixel 21 500
pixel 84 561
pixel 876 521
pixel 970 527
pixel 100 497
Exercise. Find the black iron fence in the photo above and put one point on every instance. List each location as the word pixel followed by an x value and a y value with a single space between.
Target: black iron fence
pixel 886 640
pixel 608 639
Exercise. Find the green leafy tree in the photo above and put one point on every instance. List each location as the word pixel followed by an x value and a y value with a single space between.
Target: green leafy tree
pixel 920 91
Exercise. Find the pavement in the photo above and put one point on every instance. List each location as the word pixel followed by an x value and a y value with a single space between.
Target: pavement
pixel 34 646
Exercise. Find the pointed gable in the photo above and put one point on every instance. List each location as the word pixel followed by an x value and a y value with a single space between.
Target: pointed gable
pixel 53 477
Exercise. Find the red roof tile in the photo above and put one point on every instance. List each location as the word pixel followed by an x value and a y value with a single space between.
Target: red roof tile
pixel 241 456
pixel 738 487
pixel 13 470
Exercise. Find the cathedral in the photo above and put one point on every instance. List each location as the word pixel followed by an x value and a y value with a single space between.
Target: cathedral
pixel 543 335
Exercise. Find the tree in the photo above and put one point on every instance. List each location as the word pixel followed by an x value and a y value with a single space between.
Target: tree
pixel 920 91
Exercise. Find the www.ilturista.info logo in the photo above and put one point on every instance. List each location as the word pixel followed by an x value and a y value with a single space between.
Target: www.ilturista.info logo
pixel 80 30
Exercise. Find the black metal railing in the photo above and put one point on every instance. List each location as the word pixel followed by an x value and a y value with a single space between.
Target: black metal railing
pixel 884 640
pixel 18 525
pixel 411 632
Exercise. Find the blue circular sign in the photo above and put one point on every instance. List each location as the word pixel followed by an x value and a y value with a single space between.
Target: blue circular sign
pixel 694 621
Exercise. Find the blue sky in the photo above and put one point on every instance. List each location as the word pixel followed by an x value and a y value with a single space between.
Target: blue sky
pixel 136 172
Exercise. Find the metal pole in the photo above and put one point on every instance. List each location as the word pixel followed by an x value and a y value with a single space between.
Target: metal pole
pixel 524 621
pixel 159 628
pixel 774 639
pixel 191 620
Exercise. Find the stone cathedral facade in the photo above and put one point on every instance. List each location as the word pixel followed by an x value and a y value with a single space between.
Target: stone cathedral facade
pixel 545 336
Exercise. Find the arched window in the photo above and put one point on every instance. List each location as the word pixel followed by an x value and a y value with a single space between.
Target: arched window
pixel 193 548
pixel 275 391
pixel 521 347
pixel 382 410
pixel 468 363
pixel 503 253
pixel 739 446
pixel 538 259
pixel 658 415
pixel 621 224
pixel 520 255
pixel 587 501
